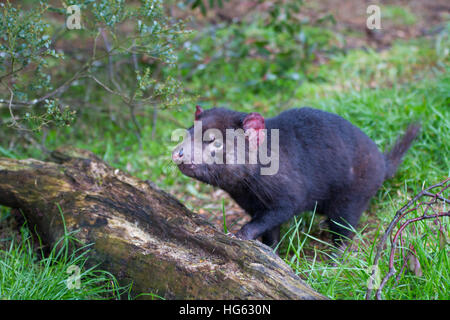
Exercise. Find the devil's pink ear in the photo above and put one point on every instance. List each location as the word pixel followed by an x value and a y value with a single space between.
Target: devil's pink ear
pixel 253 126
pixel 253 121
pixel 198 111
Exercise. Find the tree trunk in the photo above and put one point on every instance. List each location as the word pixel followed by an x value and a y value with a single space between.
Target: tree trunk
pixel 142 234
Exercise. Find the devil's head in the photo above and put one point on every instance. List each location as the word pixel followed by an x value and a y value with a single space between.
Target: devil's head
pixel 220 148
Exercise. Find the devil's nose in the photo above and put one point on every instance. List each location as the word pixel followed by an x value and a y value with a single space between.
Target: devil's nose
pixel 178 155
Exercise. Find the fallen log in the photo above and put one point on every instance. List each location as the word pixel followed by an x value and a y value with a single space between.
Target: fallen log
pixel 140 233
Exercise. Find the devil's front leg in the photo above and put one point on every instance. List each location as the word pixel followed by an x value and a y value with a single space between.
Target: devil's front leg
pixel 263 222
pixel 271 237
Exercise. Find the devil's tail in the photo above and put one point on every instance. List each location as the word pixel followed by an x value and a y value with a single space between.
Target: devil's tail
pixel 394 157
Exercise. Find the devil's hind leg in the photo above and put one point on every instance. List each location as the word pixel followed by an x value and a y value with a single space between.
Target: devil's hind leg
pixel 343 217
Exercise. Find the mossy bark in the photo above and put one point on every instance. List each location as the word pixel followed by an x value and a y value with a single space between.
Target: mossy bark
pixel 142 234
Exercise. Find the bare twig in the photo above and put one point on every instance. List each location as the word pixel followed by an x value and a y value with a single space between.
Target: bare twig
pixel 111 70
pixel 437 197
pixel 58 90
pixel 13 118
pixel 12 72
pixel 23 131
pixel 131 105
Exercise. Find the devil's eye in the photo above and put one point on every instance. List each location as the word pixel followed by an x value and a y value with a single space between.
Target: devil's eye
pixel 211 139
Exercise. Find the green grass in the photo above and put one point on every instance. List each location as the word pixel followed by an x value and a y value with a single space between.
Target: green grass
pixel 225 229
pixel 380 92
pixel 29 274
pixel 347 277
pixel 398 15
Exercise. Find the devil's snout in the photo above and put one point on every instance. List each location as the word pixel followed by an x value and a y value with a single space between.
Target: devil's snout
pixel 177 155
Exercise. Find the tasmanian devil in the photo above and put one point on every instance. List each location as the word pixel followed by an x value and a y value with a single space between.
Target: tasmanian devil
pixel 314 160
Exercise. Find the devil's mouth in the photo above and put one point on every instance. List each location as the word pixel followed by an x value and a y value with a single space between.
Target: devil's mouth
pixel 186 168
pixel 186 165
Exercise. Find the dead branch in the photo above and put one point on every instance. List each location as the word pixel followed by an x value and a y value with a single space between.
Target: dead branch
pixel 400 220
pixel 140 233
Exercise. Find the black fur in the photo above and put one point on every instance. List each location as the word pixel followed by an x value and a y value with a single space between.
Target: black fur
pixel 326 163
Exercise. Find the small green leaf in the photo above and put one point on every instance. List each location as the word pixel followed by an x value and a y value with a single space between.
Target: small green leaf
pixel 225 229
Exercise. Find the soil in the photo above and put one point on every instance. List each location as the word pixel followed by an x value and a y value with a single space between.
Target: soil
pixel 350 18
